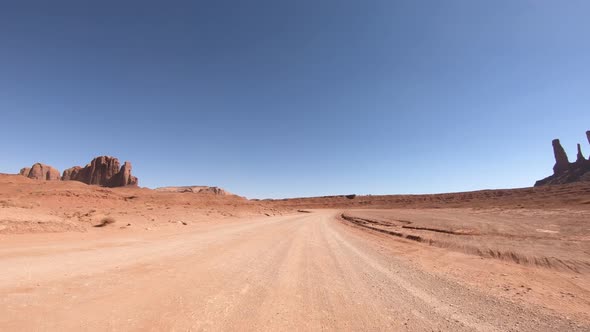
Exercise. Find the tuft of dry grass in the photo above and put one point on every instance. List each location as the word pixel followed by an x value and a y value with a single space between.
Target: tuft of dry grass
pixel 106 221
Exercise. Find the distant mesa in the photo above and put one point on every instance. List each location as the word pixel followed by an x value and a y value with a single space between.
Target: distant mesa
pixel 102 171
pixel 563 170
pixel 196 190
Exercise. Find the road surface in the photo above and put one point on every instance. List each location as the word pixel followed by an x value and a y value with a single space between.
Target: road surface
pixel 298 272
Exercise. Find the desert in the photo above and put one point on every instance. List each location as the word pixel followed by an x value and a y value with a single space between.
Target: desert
pixel 78 256
pixel 398 165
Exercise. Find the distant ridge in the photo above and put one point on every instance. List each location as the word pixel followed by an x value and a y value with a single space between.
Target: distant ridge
pixel 196 190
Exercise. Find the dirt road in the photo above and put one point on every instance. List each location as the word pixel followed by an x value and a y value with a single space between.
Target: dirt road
pixel 298 272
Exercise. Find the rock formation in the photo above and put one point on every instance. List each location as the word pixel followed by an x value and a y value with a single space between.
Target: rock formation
pixel 563 170
pixel 196 190
pixel 71 173
pixel 214 191
pixel 103 171
pixel 561 161
pixel 124 176
pixel 580 157
pixel 40 172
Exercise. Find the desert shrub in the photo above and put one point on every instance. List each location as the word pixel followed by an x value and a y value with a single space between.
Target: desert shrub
pixel 105 221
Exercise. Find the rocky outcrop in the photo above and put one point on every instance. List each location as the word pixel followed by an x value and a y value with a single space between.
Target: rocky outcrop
pixel 561 161
pixel 71 173
pixel 580 157
pixel 214 191
pixel 196 190
pixel 563 170
pixel 40 172
pixel 124 176
pixel 103 171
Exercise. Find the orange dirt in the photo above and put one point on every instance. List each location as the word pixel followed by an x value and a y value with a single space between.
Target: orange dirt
pixel 486 261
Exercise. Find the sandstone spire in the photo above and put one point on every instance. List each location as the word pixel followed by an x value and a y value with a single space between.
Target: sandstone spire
pixel 561 161
pixel 564 171
pixel 580 158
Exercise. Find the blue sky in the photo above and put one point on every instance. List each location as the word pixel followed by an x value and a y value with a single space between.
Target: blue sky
pixel 298 98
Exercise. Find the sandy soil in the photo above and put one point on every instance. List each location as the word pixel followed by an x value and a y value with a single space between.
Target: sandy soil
pixel 306 272
pixel 484 261
pixel 552 238
pixel 29 206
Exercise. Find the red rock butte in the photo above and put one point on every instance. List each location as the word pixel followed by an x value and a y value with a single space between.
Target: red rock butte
pixel 40 172
pixel 564 171
pixel 103 171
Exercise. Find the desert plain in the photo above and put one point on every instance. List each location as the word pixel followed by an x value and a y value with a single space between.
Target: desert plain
pixel 78 257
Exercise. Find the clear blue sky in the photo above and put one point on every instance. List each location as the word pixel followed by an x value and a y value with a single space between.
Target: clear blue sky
pixel 298 98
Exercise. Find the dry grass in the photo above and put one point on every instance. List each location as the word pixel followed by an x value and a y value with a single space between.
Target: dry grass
pixel 105 222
